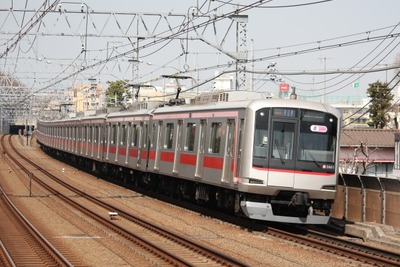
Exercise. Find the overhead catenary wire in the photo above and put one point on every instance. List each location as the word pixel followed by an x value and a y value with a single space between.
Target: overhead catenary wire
pixel 148 46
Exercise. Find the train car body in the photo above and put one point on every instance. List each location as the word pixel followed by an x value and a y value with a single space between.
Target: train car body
pixel 126 136
pixel 267 159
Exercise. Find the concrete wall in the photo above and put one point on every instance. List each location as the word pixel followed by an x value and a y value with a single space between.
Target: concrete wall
pixel 367 199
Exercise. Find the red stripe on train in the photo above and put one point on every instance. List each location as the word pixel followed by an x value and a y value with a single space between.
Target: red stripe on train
pixel 188 159
pixel 152 154
pixel 167 156
pixel 294 171
pixel 213 162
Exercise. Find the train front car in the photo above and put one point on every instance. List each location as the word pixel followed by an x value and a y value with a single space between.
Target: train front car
pixel 289 161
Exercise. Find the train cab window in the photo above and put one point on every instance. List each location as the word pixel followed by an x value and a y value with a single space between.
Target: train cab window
pixel 215 138
pixel 317 140
pixel 283 140
pixel 190 135
pixel 261 137
pixel 123 135
pixel 134 139
pixel 169 136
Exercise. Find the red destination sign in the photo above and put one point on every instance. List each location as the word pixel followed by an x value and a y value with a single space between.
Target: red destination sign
pixel 284 87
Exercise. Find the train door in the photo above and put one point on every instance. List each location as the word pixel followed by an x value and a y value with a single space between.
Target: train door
pixel 200 148
pixel 227 173
pixel 282 154
pixel 177 148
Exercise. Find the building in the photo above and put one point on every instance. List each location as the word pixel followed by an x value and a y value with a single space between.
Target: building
pixel 87 97
pixel 373 149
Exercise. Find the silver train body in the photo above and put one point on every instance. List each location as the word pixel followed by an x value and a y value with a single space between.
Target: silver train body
pixel 267 159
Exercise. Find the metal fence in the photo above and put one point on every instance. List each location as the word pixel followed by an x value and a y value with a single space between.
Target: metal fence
pixel 367 199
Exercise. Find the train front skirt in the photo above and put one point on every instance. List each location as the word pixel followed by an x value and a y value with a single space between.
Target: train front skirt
pixel 263 211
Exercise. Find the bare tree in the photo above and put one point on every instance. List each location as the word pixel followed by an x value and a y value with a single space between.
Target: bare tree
pixel 354 165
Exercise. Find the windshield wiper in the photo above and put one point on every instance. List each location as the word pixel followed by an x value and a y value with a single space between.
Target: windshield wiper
pixel 279 152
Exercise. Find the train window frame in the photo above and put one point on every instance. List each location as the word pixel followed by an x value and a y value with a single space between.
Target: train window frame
pixel 123 134
pixel 321 128
pixel 134 136
pixel 95 134
pixel 169 135
pixel 190 137
pixel 90 133
pixel 153 141
pixel 113 139
pixel 216 133
pixel 145 128
pixel 84 135
pixel 140 135
pixel 261 136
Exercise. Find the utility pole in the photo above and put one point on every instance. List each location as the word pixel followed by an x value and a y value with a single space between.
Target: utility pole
pixel 324 59
pixel 241 50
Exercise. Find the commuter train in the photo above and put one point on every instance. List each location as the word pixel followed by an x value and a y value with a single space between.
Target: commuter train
pixel 266 159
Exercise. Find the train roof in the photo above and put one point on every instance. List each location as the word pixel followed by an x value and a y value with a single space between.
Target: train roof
pixel 249 100
pixel 139 112
pixel 253 104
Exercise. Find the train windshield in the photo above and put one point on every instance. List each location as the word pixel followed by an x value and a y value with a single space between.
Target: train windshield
pixel 317 138
pixel 295 138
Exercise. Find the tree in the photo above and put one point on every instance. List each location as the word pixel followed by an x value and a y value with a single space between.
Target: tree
pixel 354 164
pixel 381 98
pixel 116 92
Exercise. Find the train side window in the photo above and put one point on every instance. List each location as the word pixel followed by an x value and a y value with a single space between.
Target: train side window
pixel 134 139
pixel 123 135
pixel 95 134
pixel 159 134
pixel 153 136
pixel 140 135
pixel 190 135
pixel 215 138
pixel 169 136
pixel 108 133
pixel 84 133
pixel 90 133
pixel 114 134
pixel 145 134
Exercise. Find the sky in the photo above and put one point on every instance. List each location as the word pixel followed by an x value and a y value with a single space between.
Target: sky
pixel 320 47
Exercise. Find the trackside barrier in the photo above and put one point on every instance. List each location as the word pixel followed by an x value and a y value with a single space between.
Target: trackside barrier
pixel 367 199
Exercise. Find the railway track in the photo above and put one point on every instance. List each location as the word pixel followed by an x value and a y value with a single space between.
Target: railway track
pixel 315 239
pixel 21 243
pixel 165 247
pixel 339 246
